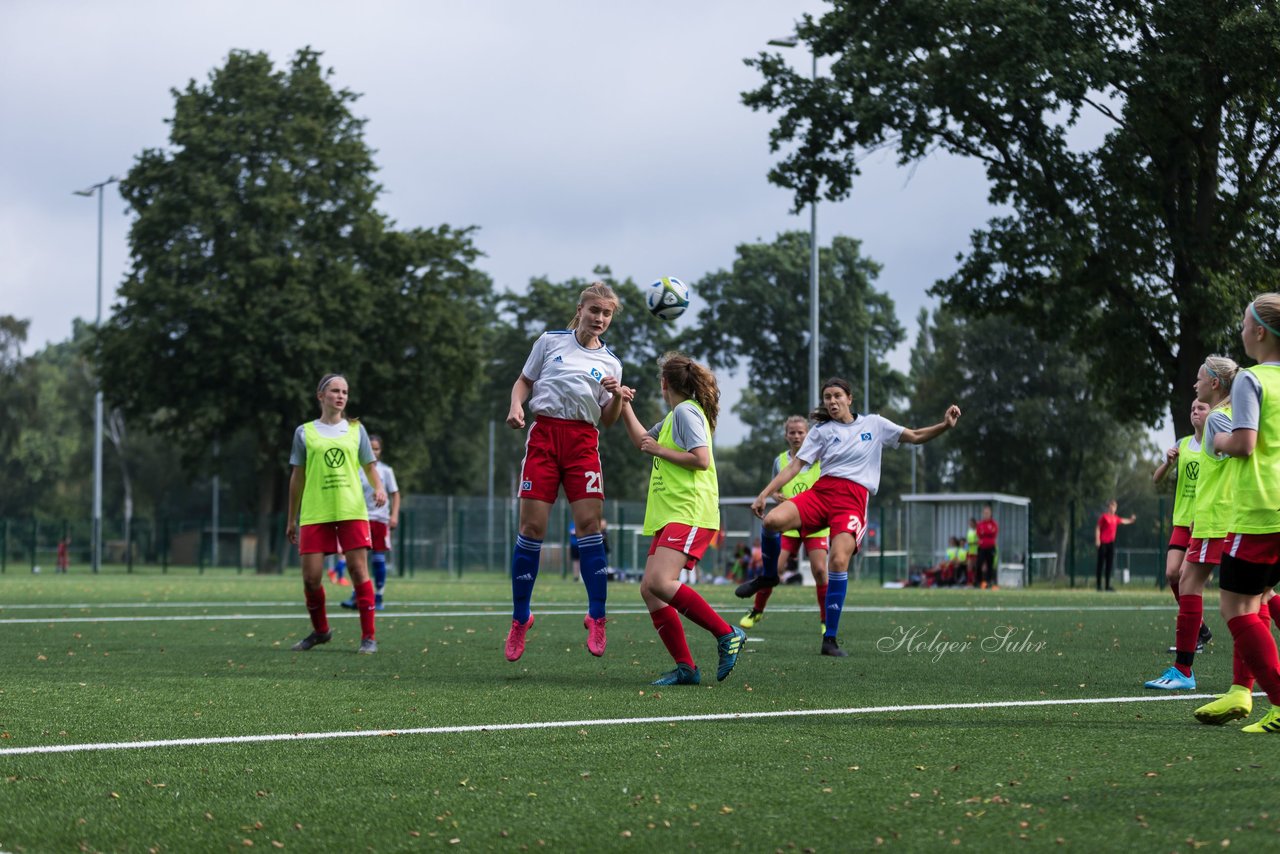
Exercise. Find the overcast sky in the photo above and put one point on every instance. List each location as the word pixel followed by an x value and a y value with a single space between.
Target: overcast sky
pixel 572 133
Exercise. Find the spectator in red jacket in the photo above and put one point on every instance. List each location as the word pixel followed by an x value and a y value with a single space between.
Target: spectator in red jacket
pixel 1105 538
pixel 986 563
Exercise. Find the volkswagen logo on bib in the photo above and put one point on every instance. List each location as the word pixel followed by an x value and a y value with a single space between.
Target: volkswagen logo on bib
pixel 334 458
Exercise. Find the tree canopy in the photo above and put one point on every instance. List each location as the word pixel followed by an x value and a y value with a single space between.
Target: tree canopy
pixel 260 263
pixel 1139 248
pixel 1033 423
pixel 754 315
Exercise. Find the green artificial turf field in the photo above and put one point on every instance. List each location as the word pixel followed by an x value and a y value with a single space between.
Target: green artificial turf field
pixel 1025 722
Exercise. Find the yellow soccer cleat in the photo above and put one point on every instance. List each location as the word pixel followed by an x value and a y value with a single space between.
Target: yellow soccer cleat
pixel 752 617
pixel 1236 703
pixel 1270 722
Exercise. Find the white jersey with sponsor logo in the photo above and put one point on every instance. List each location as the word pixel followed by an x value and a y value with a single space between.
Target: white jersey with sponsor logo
pixel 566 377
pixel 383 513
pixel 851 451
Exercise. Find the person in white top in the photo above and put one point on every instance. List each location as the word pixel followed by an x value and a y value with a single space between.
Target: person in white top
pixel 848 446
pixel 383 519
pixel 573 383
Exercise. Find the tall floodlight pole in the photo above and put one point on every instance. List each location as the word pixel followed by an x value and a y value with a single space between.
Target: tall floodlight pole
pixel 814 343
pixel 97 398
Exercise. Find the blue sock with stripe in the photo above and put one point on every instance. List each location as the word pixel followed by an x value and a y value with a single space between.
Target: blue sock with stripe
pixel 837 585
pixel 595 574
pixel 770 549
pixel 524 572
pixel 379 570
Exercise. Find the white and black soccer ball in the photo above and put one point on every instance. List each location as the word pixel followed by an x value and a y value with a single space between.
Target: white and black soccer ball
pixel 667 298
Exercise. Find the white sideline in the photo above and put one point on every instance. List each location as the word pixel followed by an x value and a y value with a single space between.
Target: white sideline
pixel 450 730
pixel 393 613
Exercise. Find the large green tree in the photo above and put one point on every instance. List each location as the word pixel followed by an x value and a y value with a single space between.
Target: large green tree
pixel 1132 147
pixel 260 263
pixel 1034 422
pixel 755 315
pixel 635 337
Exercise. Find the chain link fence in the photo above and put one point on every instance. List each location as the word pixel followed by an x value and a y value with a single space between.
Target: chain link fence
pixel 464 535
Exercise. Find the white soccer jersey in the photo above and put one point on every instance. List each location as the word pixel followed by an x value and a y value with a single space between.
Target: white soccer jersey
pixel 383 513
pixel 851 451
pixel 566 377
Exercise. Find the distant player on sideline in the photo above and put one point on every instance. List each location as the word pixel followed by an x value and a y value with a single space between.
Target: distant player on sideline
pixel 1250 565
pixel 383 519
pixel 848 446
pixel 682 514
pixel 1183 458
pixel 816 544
pixel 1210 515
pixel 1104 537
pixel 987 531
pixel 325 499
pixel 573 383
pixel 971 553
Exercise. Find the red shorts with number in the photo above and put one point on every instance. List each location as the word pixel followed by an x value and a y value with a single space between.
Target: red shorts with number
pixel 811 544
pixel 380 533
pixel 834 503
pixel 1180 536
pixel 684 538
pixel 1205 551
pixel 1253 548
pixel 331 537
pixel 560 451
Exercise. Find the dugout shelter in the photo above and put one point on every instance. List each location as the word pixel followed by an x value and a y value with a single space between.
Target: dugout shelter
pixel 932 518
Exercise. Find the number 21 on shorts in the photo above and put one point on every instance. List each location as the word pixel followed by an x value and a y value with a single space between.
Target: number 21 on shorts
pixel 854 526
pixel 593 482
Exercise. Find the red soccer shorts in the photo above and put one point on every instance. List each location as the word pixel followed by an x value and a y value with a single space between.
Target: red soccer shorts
pixel 811 544
pixel 1205 551
pixel 331 537
pixel 560 451
pixel 683 538
pixel 834 503
pixel 1180 536
pixel 380 533
pixel 1253 548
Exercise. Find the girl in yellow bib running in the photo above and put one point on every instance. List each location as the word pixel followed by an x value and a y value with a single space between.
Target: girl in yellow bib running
pixel 1250 564
pixel 682 514
pixel 327 508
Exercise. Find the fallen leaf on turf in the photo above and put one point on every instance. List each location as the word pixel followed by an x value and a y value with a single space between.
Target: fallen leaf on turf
pixel 115 795
pixel 725 810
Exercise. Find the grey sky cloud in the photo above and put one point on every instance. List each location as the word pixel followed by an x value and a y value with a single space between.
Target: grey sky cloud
pixel 572 133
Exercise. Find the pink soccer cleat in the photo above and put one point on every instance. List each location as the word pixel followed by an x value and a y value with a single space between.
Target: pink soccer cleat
pixel 515 638
pixel 595 634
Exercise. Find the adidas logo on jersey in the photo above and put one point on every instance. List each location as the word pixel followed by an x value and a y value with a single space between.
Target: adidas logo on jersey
pixel 557 359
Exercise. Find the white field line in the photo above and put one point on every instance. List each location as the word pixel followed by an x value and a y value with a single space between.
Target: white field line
pixel 394 614
pixel 535 725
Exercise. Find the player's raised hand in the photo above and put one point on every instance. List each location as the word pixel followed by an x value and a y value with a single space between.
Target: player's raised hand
pixel 1171 454
pixel 952 416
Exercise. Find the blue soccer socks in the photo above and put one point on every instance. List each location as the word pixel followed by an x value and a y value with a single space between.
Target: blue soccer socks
pixel 770 549
pixel 595 572
pixel 524 572
pixel 837 585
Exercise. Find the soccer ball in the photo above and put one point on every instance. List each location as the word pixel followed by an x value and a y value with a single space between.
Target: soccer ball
pixel 667 298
